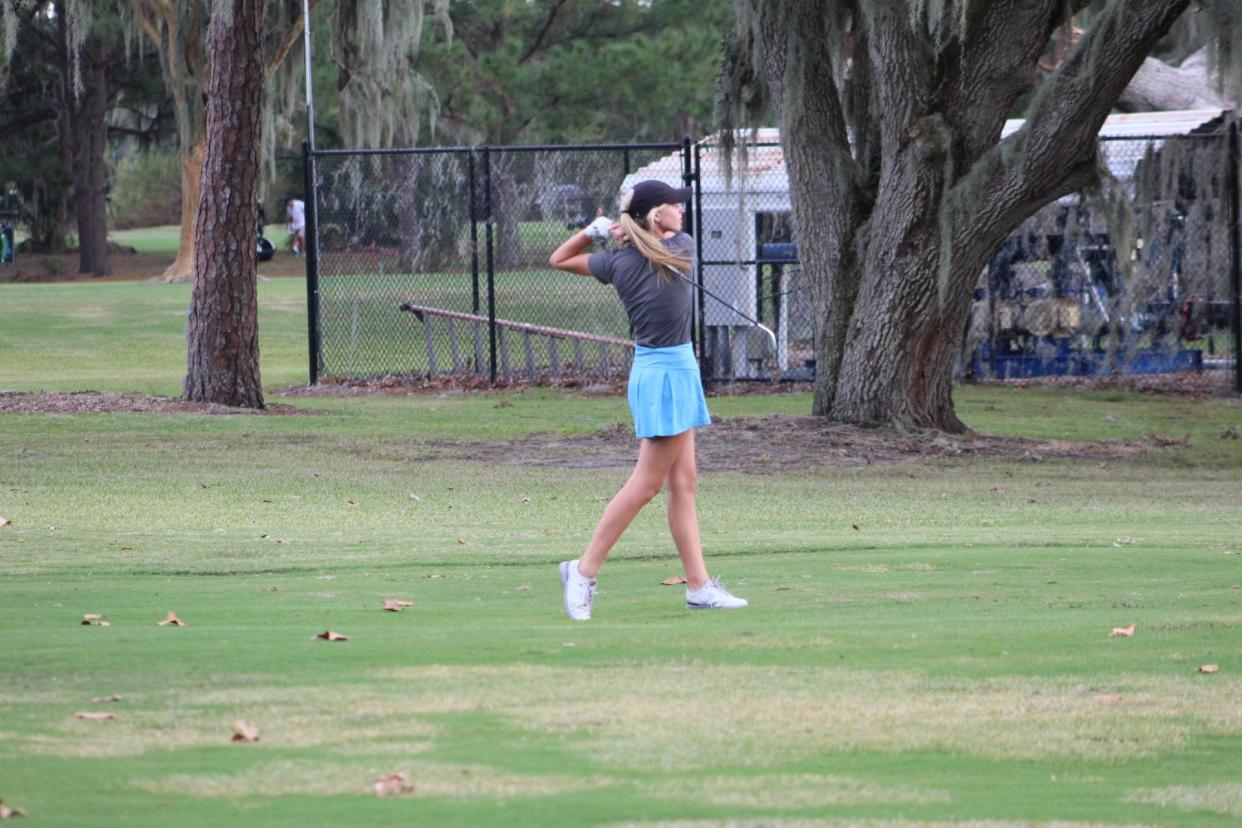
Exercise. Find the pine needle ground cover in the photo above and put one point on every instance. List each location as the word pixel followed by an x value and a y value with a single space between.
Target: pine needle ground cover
pixel 930 640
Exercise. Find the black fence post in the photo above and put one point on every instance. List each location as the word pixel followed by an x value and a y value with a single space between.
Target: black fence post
pixel 688 179
pixel 491 269
pixel 1235 243
pixel 314 335
pixel 698 259
pixel 474 237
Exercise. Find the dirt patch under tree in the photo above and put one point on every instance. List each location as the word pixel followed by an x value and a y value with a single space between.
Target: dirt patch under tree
pixel 761 445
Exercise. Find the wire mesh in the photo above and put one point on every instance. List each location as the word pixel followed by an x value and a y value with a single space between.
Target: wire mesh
pixel 436 261
pixel 1130 277
pixel 749 267
pixel 392 228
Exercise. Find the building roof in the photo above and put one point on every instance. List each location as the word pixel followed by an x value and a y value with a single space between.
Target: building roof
pixel 1149 124
pixel 765 162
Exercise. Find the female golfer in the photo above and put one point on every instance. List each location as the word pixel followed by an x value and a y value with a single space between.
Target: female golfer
pixel 665 394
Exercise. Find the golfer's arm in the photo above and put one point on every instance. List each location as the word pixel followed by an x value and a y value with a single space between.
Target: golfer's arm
pixel 571 255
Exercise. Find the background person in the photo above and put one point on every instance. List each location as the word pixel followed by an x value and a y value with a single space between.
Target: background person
pixel 295 223
pixel 665 392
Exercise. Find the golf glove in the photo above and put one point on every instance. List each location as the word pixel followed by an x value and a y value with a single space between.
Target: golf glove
pixel 597 231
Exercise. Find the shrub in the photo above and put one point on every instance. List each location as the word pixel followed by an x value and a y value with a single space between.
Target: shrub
pixel 146 190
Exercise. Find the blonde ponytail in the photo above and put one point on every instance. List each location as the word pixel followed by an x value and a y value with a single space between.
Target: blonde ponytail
pixel 666 262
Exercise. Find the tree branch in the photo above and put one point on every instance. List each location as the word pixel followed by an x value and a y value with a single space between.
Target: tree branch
pixel 1054 152
pixel 904 87
pixel 1159 86
pixel 1068 112
pixel 538 40
pixel 290 39
pixel 26 120
pixel 1001 49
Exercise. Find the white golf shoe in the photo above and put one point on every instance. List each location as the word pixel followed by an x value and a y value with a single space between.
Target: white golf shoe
pixel 579 591
pixel 713 596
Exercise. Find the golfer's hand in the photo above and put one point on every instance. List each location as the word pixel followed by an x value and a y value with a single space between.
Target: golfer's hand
pixel 618 233
pixel 598 230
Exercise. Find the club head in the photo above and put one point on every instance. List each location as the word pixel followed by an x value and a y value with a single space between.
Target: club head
pixel 771 335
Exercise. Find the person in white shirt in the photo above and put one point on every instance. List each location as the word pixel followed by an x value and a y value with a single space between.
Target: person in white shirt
pixel 295 223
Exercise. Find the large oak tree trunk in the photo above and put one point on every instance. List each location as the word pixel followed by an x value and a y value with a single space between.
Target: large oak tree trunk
pixel 223 331
pixel 90 132
pixel 897 215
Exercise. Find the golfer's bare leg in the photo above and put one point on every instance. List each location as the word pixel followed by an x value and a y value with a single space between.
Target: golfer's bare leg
pixel 656 456
pixel 683 516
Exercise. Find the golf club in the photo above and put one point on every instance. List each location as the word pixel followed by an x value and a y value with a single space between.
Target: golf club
pixel 755 322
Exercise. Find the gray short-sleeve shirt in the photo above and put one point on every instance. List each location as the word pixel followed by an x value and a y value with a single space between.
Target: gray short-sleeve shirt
pixel 660 310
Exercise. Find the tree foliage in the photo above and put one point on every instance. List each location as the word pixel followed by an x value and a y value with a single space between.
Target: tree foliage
pixel 74 66
pixel 383 97
pixel 551 71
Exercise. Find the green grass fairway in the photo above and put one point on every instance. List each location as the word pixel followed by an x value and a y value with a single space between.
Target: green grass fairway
pixel 927 642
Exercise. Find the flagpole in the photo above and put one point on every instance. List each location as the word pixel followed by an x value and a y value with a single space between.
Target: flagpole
pixel 310 87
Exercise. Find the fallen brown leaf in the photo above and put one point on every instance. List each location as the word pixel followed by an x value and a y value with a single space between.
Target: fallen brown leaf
pixel 1209 668
pixel 1107 698
pixel 461 540
pixel 328 635
pixel 5 521
pixel 127 549
pixel 674 581
pixel 433 576
pixel 783 589
pixel 172 620
pixel 94 619
pixel 102 699
pixel 522 588
pixel 393 785
pixel 855 527
pixel 244 731
pixel 396 604
pixel 10 811
pixel 1124 632
pixel 94 715
pixel 351 503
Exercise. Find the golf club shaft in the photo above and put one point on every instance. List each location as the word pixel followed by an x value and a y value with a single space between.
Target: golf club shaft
pixel 754 322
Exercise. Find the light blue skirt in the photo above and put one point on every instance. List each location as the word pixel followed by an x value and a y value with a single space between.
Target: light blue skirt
pixel 665 392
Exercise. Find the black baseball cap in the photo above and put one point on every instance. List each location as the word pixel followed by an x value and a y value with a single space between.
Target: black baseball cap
pixel 651 194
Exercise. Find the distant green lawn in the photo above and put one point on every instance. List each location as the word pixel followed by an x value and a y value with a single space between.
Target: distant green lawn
pixel 166 238
pixel 927 643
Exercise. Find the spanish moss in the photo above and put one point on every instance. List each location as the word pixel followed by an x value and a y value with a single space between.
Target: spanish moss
pixel 384 99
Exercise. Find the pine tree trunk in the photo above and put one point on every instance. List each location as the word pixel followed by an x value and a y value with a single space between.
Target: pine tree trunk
pixel 90 133
pixel 897 364
pixel 222 335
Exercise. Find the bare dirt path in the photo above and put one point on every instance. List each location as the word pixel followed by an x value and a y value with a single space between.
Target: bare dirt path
pixel 760 445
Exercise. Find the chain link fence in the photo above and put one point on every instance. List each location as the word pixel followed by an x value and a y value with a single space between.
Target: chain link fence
pixel 434 262
pixel 1135 276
